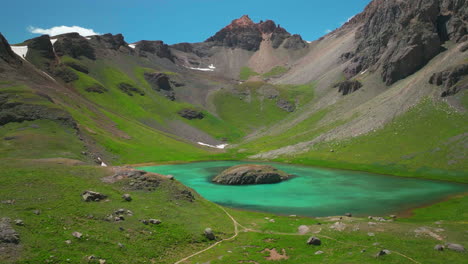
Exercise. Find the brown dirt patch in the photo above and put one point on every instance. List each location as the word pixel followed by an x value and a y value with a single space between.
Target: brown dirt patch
pixel 275 255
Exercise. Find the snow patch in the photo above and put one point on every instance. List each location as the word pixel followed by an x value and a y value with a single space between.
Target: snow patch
pixel 132 46
pixel 20 51
pixel 88 38
pixel 221 146
pixel 308 41
pixel 211 67
pixel 364 72
pixel 53 41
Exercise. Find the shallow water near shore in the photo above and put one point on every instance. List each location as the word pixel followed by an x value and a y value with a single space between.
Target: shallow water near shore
pixel 314 191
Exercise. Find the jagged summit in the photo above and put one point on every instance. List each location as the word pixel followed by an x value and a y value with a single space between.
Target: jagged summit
pixel 246 34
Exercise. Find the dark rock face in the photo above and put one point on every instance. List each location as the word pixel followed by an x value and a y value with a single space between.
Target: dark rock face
pixel 191 114
pixel 96 88
pixel 450 78
pixel 157 47
pixel 42 45
pixel 245 34
pixel 286 105
pixel 13 111
pixel 7 233
pixel 185 47
pixel 65 74
pixel 348 86
pixel 251 174
pixel 78 67
pixel 161 83
pixel 110 41
pixel 7 54
pixel 295 42
pixel 402 36
pixel 130 89
pixel 74 45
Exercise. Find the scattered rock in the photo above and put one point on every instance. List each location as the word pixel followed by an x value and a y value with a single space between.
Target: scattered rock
pixel 77 235
pixel 191 114
pixel 439 247
pixel 65 74
pixel 383 253
pixel 7 233
pixel 102 261
pixel 393 216
pixel 130 89
pixel 286 105
pixel 91 196
pixel 96 88
pixel 10 202
pixel 370 234
pixel 251 174
pixel 145 222
pixel 19 222
pixel 314 241
pixel 338 226
pixel 348 215
pixel 127 197
pixel 319 252
pixel 209 234
pixel 155 221
pixel 450 78
pixel 37 212
pixel 303 229
pixel 68 242
pixel 455 247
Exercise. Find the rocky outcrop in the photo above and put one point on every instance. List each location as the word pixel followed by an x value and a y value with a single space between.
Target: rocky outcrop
pixel 157 47
pixel 251 174
pixel 65 74
pixel 161 83
pixel 13 111
pixel 6 54
pixel 400 37
pixel 96 88
pixel 184 47
pixel 129 89
pixel 110 41
pixel 245 34
pixel 74 45
pixel 348 86
pixel 191 114
pixel 286 105
pixel 7 233
pixel 450 78
pixel 42 46
pixel 91 196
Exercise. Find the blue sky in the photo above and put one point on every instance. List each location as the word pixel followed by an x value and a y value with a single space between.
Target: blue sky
pixel 172 21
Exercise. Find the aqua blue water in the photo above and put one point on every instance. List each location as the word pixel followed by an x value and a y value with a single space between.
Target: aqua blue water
pixel 314 191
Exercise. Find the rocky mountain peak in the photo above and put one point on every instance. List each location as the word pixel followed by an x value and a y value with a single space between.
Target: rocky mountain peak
pixel 243 21
pixel 245 34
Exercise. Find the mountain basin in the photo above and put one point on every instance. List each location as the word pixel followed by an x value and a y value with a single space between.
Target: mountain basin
pixel 313 191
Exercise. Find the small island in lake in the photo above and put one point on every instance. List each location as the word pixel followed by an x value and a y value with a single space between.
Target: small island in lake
pixel 251 174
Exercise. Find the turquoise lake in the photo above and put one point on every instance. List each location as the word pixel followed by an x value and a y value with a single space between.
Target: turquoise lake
pixel 314 191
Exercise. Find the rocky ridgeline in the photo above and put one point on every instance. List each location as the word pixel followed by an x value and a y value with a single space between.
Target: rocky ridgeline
pixel 245 34
pixel 400 37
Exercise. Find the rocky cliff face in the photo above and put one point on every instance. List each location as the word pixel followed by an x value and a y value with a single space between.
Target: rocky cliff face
pixel 6 54
pixel 245 34
pixel 400 37
pixel 74 45
pixel 157 47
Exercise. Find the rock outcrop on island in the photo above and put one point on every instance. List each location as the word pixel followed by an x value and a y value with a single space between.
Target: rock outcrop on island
pixel 251 174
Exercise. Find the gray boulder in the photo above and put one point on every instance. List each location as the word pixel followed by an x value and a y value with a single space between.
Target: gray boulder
pixel 314 241
pixel 455 247
pixel 7 233
pixel 209 234
pixel 439 247
pixel 90 196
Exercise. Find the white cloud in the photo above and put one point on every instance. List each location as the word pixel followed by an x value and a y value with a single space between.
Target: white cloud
pixel 54 31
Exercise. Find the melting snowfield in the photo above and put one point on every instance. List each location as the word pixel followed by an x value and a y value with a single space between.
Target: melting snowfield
pixel 20 51
pixel 221 146
pixel 211 67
